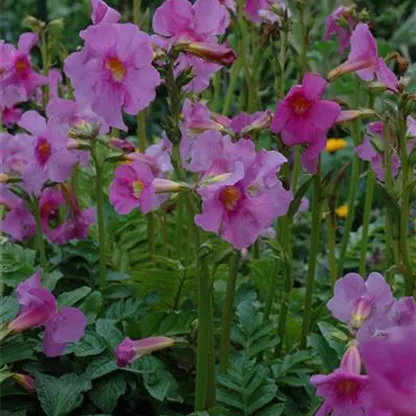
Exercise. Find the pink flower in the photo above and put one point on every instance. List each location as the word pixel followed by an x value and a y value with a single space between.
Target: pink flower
pixel 38 308
pixel 261 10
pixel 129 350
pixel 364 60
pixel 27 382
pixel 333 26
pixel 366 151
pixel 14 152
pixel 241 204
pixel 16 68
pixel 113 71
pixel 49 157
pixel 132 187
pixel 180 22
pixel 302 117
pixel 10 115
pixel 102 13
pixel 345 390
pixel 18 221
pixel 390 362
pixel 361 303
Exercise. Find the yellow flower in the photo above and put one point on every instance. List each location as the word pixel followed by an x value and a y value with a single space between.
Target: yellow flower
pixel 333 145
pixel 342 211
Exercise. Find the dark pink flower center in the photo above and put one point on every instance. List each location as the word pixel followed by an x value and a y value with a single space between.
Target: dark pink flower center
pixel 300 104
pixel 116 67
pixel 21 64
pixel 137 188
pixel 43 150
pixel 230 197
pixel 348 388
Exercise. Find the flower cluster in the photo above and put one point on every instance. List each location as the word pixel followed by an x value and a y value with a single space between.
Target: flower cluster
pixel 384 331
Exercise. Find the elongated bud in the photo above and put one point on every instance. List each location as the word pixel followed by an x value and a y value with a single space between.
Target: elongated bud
pixel 361 312
pixel 258 124
pixel 84 130
pixel 351 360
pixel 122 145
pixel 351 66
pixel 142 157
pixel 349 115
pixel 27 382
pixel 219 54
pixel 199 126
pixel 215 179
pixel 165 185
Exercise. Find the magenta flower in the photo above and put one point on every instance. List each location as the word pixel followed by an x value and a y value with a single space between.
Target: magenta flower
pixel 18 221
pixel 180 22
pixel 333 26
pixel 132 188
pixel 38 308
pixel 302 117
pixel 9 97
pixel 16 68
pixel 240 205
pixel 390 362
pixel 367 152
pixel 102 13
pixel 360 302
pixel 113 72
pixel 364 60
pixel 129 350
pixel 26 381
pixel 14 152
pixel 345 391
pixel 49 157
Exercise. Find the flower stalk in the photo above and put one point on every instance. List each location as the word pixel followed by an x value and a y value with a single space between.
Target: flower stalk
pixel 40 241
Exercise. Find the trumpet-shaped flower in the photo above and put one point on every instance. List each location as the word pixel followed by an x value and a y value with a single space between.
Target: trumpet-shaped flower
pixel 241 204
pixel 113 72
pixel 14 152
pixel 303 117
pixel 38 308
pixel 49 157
pixel 102 13
pixel 179 22
pixel 361 303
pixel 345 390
pixel 333 26
pixel 132 187
pixel 130 350
pixel 16 69
pixel 364 60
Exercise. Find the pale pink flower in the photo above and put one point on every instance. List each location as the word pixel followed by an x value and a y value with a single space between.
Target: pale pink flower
pixel 333 26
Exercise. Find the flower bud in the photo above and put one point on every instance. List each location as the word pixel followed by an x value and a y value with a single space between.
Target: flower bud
pixel 165 185
pixel 27 382
pixel 258 124
pixel 351 360
pixel 361 312
pixel 122 145
pixel 349 115
pixel 211 52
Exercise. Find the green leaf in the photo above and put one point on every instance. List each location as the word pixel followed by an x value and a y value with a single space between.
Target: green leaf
pixel 59 397
pixel 123 309
pixel 99 367
pixel 71 298
pixel 50 280
pixel 273 410
pixel 300 193
pixel 262 396
pixel 17 263
pixel 15 349
pixel 107 391
pixel 9 307
pixel 92 305
pixel 327 355
pixel 108 330
pixel 158 384
pixel 335 338
pixel 90 344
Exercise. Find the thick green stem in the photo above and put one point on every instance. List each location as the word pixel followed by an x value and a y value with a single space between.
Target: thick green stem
pixel 303 60
pixel 407 170
pixel 216 96
pixel 99 197
pixel 45 64
pixel 331 242
pixel 272 290
pixel 227 315
pixel 40 242
pixel 179 225
pixel 212 385
pixel 371 181
pixel 313 253
pixel 235 71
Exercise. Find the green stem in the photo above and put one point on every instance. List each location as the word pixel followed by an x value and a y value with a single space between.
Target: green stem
pixel 99 196
pixel 235 70
pixel 407 169
pixel 151 234
pixel 303 64
pixel 371 181
pixel 313 253
pixel 45 64
pixel 179 226
pixel 228 313
pixel 296 168
pixel 40 242
pixel 272 290
pixel 216 97
pixel 211 388
pixel 332 243
pixel 164 226
pixel 136 12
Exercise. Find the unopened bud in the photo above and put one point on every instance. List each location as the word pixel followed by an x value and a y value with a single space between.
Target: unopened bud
pixel 166 185
pixel 219 54
pixel 122 145
pixel 351 361
pixel 27 382
pixel 402 64
pixel 260 123
pixel 4 178
pixel 349 115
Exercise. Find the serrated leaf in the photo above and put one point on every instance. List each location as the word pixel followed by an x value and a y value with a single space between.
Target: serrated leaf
pixel 108 330
pixel 327 355
pixel 9 307
pixel 158 384
pixel 99 367
pixel 15 349
pixel 59 397
pixel 50 280
pixel 107 391
pixel 123 309
pixel 92 305
pixel 71 298
pixel 334 337
pixel 90 344
pixel 262 397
